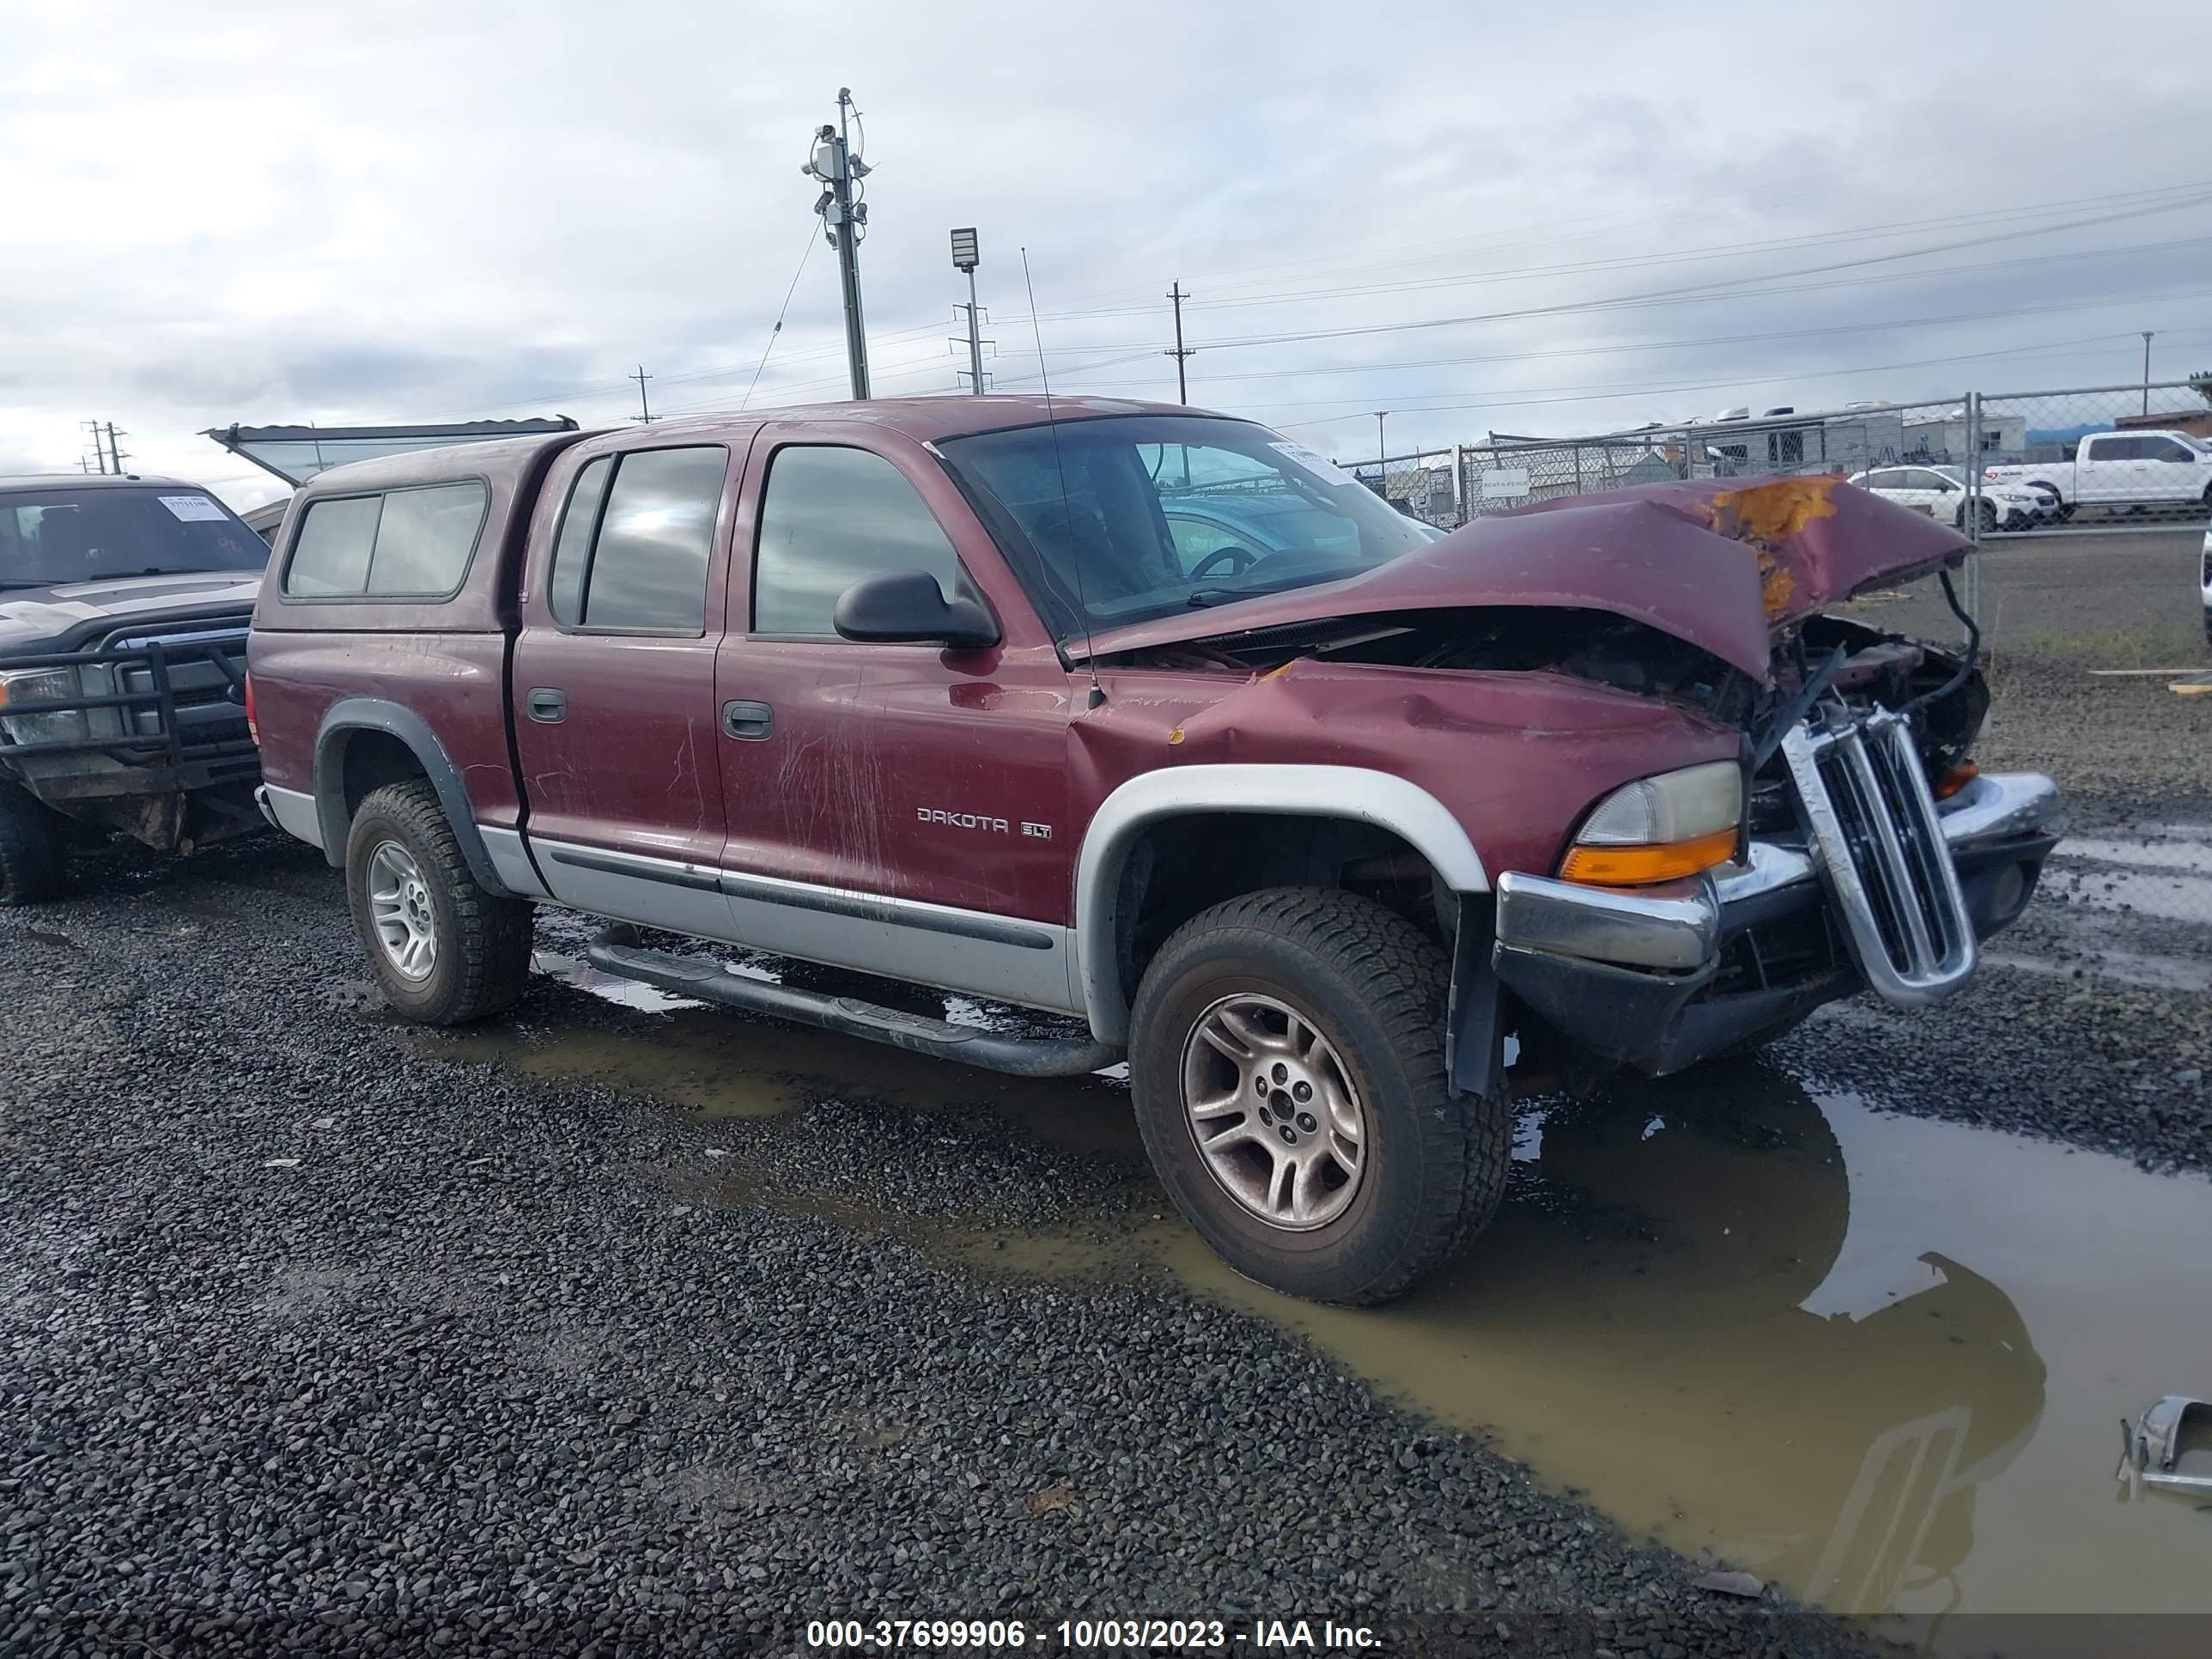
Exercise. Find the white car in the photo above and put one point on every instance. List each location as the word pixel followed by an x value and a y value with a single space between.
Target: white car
pixel 1941 493
pixel 2204 575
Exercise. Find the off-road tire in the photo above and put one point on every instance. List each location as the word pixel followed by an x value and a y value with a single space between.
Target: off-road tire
pixel 32 866
pixel 483 960
pixel 1377 988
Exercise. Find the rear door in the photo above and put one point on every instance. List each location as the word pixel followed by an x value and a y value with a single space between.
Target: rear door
pixel 900 808
pixel 613 678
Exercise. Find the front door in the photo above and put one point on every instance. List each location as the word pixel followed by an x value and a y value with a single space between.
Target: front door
pixel 898 808
pixel 613 680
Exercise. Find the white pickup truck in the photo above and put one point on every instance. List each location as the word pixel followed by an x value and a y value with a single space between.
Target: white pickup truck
pixel 2121 470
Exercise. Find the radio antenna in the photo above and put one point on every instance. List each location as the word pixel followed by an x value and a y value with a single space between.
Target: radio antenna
pixel 1066 505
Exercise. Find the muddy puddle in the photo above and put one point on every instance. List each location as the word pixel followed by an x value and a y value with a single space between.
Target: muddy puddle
pixel 1879 1360
pixel 724 1065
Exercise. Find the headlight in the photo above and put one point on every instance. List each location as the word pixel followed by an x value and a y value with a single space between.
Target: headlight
pixel 25 688
pixel 1659 829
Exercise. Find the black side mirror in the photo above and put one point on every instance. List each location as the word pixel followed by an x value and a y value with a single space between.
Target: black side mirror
pixel 910 608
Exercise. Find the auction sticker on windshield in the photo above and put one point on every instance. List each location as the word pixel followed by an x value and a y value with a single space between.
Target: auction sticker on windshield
pixel 1319 465
pixel 190 508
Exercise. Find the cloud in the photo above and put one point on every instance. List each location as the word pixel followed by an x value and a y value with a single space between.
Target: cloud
pixel 423 212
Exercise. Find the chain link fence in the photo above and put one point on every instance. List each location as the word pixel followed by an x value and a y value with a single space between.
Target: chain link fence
pixel 2091 588
pixel 1992 463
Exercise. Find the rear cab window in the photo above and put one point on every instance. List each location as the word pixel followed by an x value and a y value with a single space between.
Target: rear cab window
pixel 413 544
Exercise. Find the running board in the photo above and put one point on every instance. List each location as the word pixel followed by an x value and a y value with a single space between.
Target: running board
pixel 687 976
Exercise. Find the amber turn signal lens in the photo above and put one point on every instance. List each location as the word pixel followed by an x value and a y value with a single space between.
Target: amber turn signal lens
pixel 1639 867
pixel 1956 779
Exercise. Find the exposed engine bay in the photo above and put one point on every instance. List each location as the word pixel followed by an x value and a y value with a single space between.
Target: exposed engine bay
pixel 1821 658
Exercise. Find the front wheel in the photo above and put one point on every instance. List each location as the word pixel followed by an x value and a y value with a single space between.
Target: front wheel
pixel 32 869
pixel 1287 1061
pixel 443 950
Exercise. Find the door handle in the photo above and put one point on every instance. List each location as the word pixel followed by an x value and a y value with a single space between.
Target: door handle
pixel 747 720
pixel 547 705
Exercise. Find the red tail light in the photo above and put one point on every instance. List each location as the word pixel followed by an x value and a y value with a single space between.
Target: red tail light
pixel 253 726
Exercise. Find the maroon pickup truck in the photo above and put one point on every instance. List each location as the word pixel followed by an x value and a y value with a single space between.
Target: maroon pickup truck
pixel 1154 720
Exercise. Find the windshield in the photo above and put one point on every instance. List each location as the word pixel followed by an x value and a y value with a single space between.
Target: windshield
pixel 52 537
pixel 1139 516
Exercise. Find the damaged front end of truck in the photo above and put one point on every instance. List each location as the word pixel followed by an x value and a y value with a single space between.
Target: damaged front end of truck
pixel 1864 850
pixel 1872 851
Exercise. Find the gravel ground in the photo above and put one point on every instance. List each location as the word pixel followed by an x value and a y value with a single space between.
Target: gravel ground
pixel 319 1338
pixel 315 1341
pixel 2053 609
pixel 2067 1053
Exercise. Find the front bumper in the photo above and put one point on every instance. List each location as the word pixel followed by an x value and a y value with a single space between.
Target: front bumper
pixel 1659 978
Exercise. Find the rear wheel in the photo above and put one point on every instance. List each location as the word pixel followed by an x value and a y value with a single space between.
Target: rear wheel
pixel 443 950
pixel 32 870
pixel 1286 1058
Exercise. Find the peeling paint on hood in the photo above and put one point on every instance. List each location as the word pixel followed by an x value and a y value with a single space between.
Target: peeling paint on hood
pixel 1719 565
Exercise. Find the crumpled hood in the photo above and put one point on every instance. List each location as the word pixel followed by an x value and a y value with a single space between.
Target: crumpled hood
pixel 1720 565
pixel 36 619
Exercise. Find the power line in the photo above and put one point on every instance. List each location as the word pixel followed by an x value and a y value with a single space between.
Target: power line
pixel 1552 352
pixel 805 253
pixel 1513 399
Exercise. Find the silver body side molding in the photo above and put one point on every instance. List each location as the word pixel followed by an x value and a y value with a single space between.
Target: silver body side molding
pixel 292 811
pixel 1006 958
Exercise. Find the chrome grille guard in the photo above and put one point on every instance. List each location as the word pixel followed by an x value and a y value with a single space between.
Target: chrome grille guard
pixel 1880 847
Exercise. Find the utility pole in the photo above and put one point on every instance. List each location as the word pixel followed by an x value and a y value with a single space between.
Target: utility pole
pixel 644 408
pixel 844 221
pixel 1382 473
pixel 2147 334
pixel 114 456
pixel 99 461
pixel 966 257
pixel 1181 351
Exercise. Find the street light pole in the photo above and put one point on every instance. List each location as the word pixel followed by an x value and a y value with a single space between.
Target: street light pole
pixel 966 257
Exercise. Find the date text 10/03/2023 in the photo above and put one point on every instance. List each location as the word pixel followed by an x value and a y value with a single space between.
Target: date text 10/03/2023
pixel 1081 1635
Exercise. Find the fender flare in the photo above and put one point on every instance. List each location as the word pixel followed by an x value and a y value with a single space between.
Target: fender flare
pixel 351 714
pixel 1358 793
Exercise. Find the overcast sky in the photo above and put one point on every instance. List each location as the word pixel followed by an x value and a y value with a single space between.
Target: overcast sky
pixel 399 212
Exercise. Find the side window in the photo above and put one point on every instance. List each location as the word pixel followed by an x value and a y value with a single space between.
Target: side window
pixel 331 554
pixel 831 516
pixel 407 544
pixel 2165 449
pixel 564 590
pixel 2113 449
pixel 1892 479
pixel 424 539
pixel 1194 538
pixel 642 565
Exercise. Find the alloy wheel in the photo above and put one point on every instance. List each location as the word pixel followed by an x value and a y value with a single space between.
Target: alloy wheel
pixel 399 909
pixel 1275 1111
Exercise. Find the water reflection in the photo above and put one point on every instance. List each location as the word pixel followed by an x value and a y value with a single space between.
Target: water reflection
pixel 1646 1319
